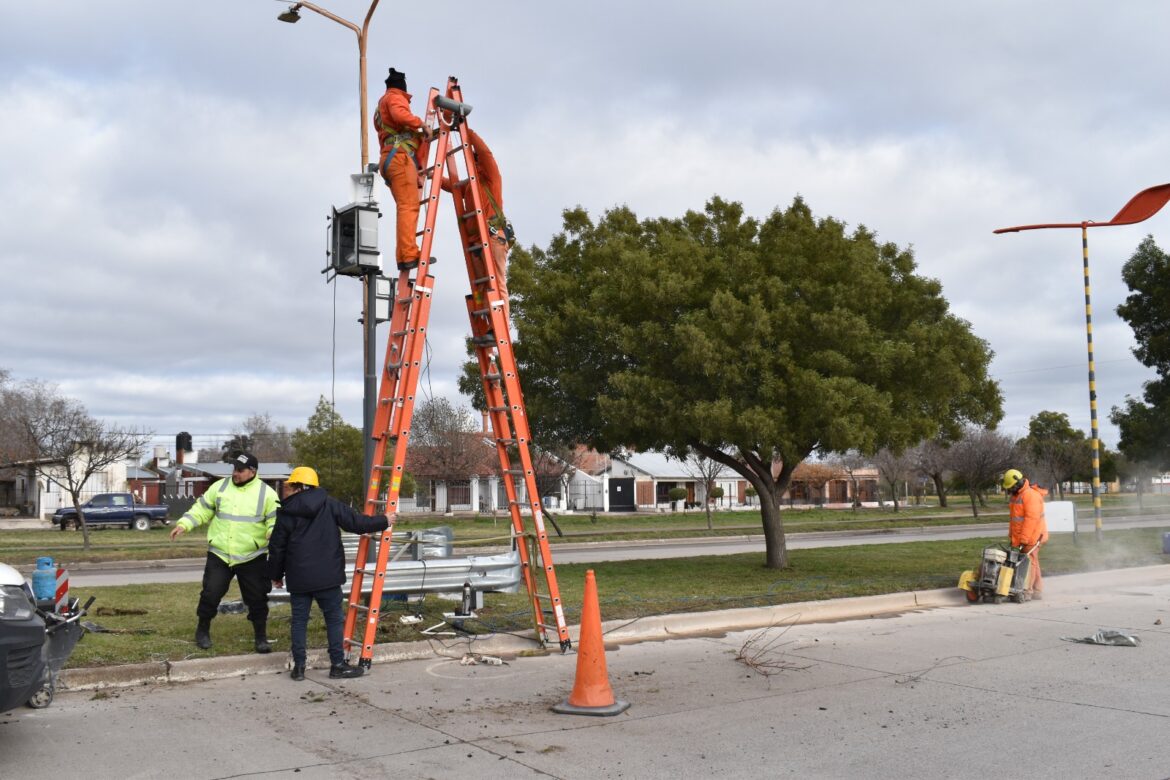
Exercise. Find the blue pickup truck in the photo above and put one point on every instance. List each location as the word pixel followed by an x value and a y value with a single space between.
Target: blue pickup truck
pixel 112 509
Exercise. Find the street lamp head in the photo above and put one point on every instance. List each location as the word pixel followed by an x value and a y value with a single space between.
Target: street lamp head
pixel 291 15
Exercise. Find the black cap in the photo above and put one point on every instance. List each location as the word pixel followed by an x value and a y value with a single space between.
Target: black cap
pixel 245 460
pixel 396 80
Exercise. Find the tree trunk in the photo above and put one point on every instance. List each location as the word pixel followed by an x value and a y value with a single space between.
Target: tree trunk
pixel 768 490
pixel 84 526
pixel 940 488
pixel 974 503
pixel 776 551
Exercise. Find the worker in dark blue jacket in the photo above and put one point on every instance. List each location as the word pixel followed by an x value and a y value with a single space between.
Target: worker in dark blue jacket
pixel 305 550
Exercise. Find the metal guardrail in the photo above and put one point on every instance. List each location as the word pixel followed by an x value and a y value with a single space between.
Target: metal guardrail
pixel 421 562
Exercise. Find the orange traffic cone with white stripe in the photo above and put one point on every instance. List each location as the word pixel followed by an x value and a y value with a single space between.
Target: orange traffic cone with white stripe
pixel 591 692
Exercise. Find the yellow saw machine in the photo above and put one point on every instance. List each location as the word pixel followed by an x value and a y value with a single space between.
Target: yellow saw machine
pixel 1003 573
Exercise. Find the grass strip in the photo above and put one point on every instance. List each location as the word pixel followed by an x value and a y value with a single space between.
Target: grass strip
pixel 157 622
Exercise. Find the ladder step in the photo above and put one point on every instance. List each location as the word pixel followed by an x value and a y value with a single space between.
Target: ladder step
pixel 481 280
pixel 484 340
pixel 492 377
pixel 359 607
pixel 497 408
pixel 476 248
pixel 455 150
pixel 481 312
pixel 506 441
pixel 521 472
pixel 469 214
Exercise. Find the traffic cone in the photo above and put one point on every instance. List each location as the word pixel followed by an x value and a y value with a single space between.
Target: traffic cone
pixel 591 692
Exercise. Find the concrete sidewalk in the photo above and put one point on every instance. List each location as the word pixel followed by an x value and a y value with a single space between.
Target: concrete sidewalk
pixel 620 632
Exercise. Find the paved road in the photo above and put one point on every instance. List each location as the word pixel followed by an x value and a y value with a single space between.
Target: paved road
pixel 960 691
pixel 192 570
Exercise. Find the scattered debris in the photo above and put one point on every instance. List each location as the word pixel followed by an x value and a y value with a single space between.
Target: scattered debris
pixel 99 629
pixel 116 611
pixel 472 659
pixel 409 620
pixel 313 696
pixel 232 608
pixel 1107 636
pixel 762 656
pixel 1158 622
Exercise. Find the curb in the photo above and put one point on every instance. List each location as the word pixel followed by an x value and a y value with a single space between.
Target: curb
pixel 615 632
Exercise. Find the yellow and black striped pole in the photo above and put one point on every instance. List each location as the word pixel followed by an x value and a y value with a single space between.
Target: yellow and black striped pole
pixel 1140 207
pixel 1092 384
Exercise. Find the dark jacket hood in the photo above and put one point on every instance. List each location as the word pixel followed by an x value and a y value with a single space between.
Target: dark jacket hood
pixel 305 504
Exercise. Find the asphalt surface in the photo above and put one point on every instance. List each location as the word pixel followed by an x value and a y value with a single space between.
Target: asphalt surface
pixel 931 688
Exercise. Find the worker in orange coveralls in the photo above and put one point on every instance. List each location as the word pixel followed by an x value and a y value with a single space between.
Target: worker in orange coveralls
pixel 491 196
pixel 399 134
pixel 1028 529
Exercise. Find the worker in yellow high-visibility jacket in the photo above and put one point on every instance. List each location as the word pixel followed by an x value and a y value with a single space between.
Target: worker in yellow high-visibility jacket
pixel 240 513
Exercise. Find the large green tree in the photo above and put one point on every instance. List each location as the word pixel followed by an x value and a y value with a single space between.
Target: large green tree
pixel 335 449
pixel 1144 425
pixel 754 343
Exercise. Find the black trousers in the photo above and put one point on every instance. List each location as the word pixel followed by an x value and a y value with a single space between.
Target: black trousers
pixel 254 587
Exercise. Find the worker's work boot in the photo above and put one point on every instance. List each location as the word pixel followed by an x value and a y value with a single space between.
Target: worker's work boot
pixel 344 670
pixel 298 672
pixel 203 635
pixel 262 645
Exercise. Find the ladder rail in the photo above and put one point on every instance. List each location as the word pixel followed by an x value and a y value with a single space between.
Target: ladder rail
pixel 489 315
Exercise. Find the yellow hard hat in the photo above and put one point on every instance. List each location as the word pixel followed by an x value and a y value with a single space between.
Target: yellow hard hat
pixel 1011 478
pixel 303 475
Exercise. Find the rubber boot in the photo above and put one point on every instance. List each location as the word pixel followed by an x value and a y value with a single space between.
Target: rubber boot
pixel 203 635
pixel 262 645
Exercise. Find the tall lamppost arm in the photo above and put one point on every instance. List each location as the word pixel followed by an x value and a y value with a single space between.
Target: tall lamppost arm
pixel 361 33
pixel 369 298
pixel 1140 207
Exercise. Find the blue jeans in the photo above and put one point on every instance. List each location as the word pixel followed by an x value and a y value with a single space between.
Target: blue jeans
pixel 329 600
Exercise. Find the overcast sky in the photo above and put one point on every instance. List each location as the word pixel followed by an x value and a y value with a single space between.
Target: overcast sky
pixel 166 170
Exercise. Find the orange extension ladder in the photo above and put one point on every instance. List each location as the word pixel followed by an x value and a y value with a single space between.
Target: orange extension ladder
pixel 492 340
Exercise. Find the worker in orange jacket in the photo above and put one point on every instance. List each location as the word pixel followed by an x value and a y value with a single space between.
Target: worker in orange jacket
pixel 491 197
pixel 1027 527
pixel 399 135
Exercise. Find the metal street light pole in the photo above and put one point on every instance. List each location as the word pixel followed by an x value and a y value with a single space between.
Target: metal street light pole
pixel 369 284
pixel 1140 208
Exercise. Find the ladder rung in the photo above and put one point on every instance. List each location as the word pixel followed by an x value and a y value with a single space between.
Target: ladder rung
pixel 514 471
pixel 492 377
pixel 485 339
pixel 386 468
pixel 361 607
pixel 454 151
pixel 377 501
pixel 481 280
pixel 475 248
pixel 481 312
pixel 497 408
pixel 469 214
pixel 400 333
pixel 462 183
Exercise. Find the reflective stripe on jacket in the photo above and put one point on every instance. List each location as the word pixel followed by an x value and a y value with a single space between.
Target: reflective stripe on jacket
pixel 1027 525
pixel 241 519
pixel 397 126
